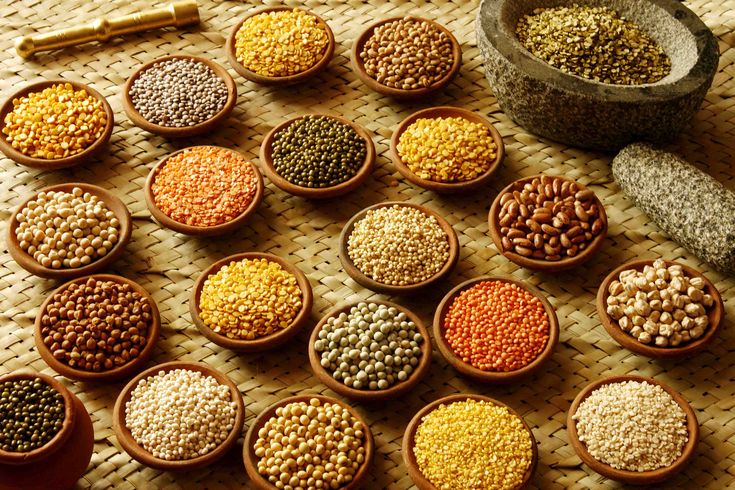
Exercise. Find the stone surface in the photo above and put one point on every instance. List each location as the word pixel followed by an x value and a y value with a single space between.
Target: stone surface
pixel 590 114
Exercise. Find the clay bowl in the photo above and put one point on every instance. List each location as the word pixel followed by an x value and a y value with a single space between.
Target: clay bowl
pixel 376 286
pixel 113 374
pixel 222 229
pixel 715 314
pixel 113 204
pixel 186 131
pixel 137 452
pixel 70 161
pixel 266 158
pixel 251 460
pixel 633 477
pixel 366 396
pixel 447 187
pixel 284 80
pixel 359 67
pixel 263 343
pixel 497 377
pixel 540 264
pixel 409 440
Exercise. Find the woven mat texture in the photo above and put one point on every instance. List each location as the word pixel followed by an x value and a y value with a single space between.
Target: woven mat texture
pixel 307 233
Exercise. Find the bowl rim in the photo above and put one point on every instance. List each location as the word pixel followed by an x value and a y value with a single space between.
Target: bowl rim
pixel 112 374
pixel 399 388
pixel 363 172
pixel 538 264
pixel 250 460
pixel 408 443
pixel 441 112
pixel 715 314
pixel 269 341
pixel 633 477
pixel 112 202
pixel 136 451
pixel 66 162
pixel 177 226
pixel 373 285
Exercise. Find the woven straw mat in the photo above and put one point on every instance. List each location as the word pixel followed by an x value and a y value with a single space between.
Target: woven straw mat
pixel 307 232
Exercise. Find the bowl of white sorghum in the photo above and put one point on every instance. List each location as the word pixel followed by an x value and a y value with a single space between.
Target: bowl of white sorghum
pixel 370 351
pixel 68 230
pixel 178 416
pixel 632 429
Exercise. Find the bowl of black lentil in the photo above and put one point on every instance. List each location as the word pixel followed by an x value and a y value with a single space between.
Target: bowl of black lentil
pixel 317 156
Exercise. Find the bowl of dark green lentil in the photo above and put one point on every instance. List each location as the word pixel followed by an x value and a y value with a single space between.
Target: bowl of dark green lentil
pixel 179 96
pixel 317 156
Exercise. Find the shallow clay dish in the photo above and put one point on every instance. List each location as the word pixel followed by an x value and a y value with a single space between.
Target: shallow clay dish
pixel 446 112
pixel 31 265
pixel 715 314
pixel 263 343
pixel 379 287
pixel 633 477
pixel 409 440
pixel 394 391
pixel 493 376
pixel 359 67
pixel 228 227
pixel 266 158
pixel 538 264
pixel 251 460
pixel 137 452
pixel 284 80
pixel 185 131
pixel 113 374
pixel 70 161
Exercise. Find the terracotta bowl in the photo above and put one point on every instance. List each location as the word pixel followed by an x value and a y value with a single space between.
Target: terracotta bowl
pixel 538 264
pixel 137 452
pixel 266 158
pixel 113 374
pixel 634 477
pixel 359 67
pixel 251 460
pixel 263 343
pixel 409 440
pixel 43 163
pixel 715 314
pixel 379 287
pixel 493 376
pixel 447 187
pixel 284 80
pixel 398 389
pixel 31 265
pixel 222 229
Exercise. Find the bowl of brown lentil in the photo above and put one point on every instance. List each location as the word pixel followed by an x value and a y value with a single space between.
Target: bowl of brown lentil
pixel 610 404
pixel 103 339
pixel 31 236
pixel 547 223
pixel 256 50
pixel 475 149
pixel 502 445
pixel 350 430
pixel 496 329
pixel 145 403
pixel 258 328
pixel 430 57
pixel 317 156
pixel 203 190
pixel 72 139
pixel 179 96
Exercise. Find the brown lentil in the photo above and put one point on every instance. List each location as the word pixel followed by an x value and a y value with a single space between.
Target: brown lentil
pixel 31 414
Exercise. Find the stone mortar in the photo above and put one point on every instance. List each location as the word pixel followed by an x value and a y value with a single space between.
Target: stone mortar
pixel 590 114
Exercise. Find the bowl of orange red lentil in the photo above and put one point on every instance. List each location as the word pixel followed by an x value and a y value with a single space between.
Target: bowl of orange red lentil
pixel 495 329
pixel 203 190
